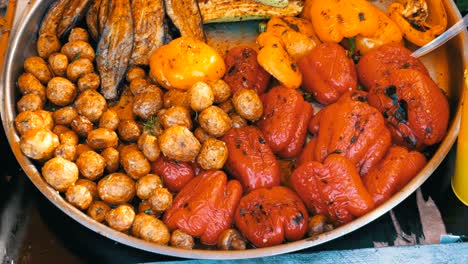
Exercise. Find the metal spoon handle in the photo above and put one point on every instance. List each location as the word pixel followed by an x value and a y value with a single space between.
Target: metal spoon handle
pixel 442 38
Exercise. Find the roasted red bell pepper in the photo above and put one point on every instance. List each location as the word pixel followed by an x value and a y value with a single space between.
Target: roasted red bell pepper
pixel 175 174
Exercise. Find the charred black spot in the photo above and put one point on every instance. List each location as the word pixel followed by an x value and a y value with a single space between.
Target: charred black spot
pixel 293 26
pixel 186 205
pixel 324 181
pixel 411 140
pixel 261 140
pixel 339 19
pixel 275 45
pixel 357 124
pixel 237 143
pixel 406 65
pixel 336 151
pixel 330 203
pixel 353 139
pixel 244 153
pixel 246 53
pixel 294 66
pixel 361 16
pixel 428 130
pixel 242 211
pixel 231 69
pixel 401 113
pixel 298 218
pixel 390 90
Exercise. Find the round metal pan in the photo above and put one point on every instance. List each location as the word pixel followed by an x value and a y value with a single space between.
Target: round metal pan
pixel 445 65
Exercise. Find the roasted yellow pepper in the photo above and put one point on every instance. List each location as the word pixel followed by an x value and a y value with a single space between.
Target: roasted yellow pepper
pixel 334 20
pixel 387 32
pixel 419 20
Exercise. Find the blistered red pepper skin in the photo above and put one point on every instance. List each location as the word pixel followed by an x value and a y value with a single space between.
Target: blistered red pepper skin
pixel 250 159
pixel 307 153
pixel 416 110
pixel 285 119
pixel 333 188
pixel 393 172
pixel 352 128
pixel 328 73
pixel 243 70
pixel 175 174
pixel 205 207
pixel 267 217
pixel 374 67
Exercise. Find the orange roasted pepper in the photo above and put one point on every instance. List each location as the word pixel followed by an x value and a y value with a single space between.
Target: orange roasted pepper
pixel 419 20
pixel 334 20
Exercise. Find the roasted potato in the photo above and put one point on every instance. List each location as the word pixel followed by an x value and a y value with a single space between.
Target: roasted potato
pixel 68 137
pixel 135 73
pixel 47 44
pixel 147 104
pixel 91 104
pixel 147 184
pixel 137 85
pixel 116 188
pixel 81 148
pixel 214 121
pixel 150 228
pixel 98 210
pixel 129 130
pixel 148 144
pixel 64 116
pixel 28 120
pixel 78 49
pixel 58 62
pixel 89 81
pixel 39 144
pixel 59 129
pixel 29 102
pixel 81 125
pixel 47 117
pixel 247 104
pixel 238 121
pixel 176 98
pixel 109 119
pixel 178 143
pixel 66 151
pixel 60 173
pixel 134 162
pixel 112 158
pixel 60 91
pixel 39 68
pixel 201 96
pixel 91 165
pixel 201 135
pixel 78 33
pixel 79 196
pixel 227 106
pixel 175 116
pixel 221 91
pixel 28 83
pixel 180 239
pixel 78 68
pixel 160 199
pixel 121 218
pixel 213 154
pixel 101 138
pixel 90 185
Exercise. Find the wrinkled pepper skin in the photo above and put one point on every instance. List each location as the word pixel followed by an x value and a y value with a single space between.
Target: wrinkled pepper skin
pixel 243 70
pixel 307 153
pixel 333 188
pixel 392 173
pixel 352 128
pixel 285 119
pixel 250 158
pixel 175 174
pixel 267 217
pixel 205 207
pixel 328 73
pixel 416 110
pixel 376 65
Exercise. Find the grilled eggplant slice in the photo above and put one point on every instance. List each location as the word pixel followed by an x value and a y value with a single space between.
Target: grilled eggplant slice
pixel 214 11
pixel 115 47
pixel 186 16
pixel 51 20
pixel 103 14
pixel 148 27
pixel 74 12
pixel 92 19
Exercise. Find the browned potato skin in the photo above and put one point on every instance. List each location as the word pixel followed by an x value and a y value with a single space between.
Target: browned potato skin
pixel 39 144
pixel 78 49
pixel 98 210
pixel 78 68
pixel 101 138
pixel 79 196
pixel 227 106
pixel 89 81
pixel 78 33
pixel 66 151
pixel 60 91
pixel 116 188
pixel 175 97
pixel 60 173
pixel 91 104
pixel 121 218
pixel 214 121
pixel 148 144
pixel 248 104
pixel 238 121
pixel 91 165
pixel 201 135
pixel 64 116
pixel 90 185
pixel 135 73
pixel 175 116
pixel 213 154
pixel 59 129
pixel 112 158
pixel 68 138
pixel 160 199
pixel 147 104
pixel 201 96
pixel 151 229
pixel 28 83
pixel 178 143
pixel 58 62
pixel 81 125
pixel 29 102
pixel 109 119
pixel 180 239
pixel 137 85
pixel 81 148
pixel 47 117
pixel 129 130
pixel 47 44
pixel 147 184
pixel 39 68
pixel 144 207
pixel 28 120
pixel 134 162
pixel 221 91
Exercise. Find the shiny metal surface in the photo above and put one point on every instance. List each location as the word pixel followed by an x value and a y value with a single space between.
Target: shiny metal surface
pixel 445 65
